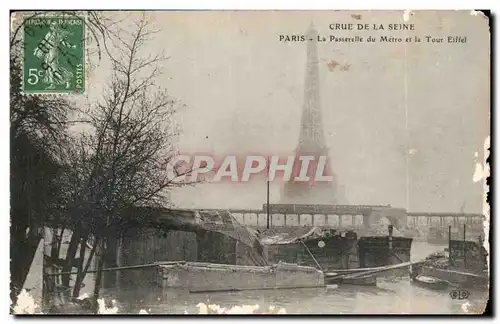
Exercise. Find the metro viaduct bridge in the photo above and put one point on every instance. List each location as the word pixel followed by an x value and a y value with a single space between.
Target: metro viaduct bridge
pixel 328 216
pixel 474 222
pixel 349 216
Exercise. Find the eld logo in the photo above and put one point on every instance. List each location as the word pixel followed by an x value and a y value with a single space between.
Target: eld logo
pixel 459 294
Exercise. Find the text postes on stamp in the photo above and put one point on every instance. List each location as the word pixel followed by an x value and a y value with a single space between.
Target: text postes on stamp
pixel 54 59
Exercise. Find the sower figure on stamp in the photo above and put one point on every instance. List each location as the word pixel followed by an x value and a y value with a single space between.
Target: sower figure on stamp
pixel 48 50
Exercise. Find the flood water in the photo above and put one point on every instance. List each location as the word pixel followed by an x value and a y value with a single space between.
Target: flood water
pixel 392 295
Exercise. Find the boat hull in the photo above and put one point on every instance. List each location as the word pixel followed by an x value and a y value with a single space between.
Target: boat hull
pixel 459 278
pixel 368 281
pixel 206 277
pixel 434 284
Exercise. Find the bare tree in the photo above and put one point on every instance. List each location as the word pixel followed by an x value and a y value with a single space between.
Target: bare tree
pixel 122 154
pixel 37 136
pixel 38 143
pixel 116 163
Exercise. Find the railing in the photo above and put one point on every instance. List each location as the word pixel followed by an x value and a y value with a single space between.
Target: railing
pixel 443 221
pixel 297 220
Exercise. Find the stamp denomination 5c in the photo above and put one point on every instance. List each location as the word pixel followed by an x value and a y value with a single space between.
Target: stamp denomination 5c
pixel 54 59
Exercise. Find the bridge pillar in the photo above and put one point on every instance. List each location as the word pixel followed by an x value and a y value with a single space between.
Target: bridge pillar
pixel 370 219
pixel 366 221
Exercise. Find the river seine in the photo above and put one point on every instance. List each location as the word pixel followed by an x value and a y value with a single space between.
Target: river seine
pixel 392 295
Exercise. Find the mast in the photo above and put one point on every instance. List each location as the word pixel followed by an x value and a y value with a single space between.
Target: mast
pixel 267 180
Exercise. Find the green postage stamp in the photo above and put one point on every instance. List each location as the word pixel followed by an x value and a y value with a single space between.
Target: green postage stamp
pixel 54 55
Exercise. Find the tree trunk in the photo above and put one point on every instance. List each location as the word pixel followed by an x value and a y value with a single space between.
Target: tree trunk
pixel 78 284
pixel 22 251
pixel 54 251
pixel 49 282
pixel 59 241
pixel 81 274
pixel 100 265
pixel 70 255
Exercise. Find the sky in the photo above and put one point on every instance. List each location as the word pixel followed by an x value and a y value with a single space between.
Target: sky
pixel 402 121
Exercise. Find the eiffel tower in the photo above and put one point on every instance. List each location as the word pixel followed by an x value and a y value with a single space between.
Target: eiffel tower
pixel 312 139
